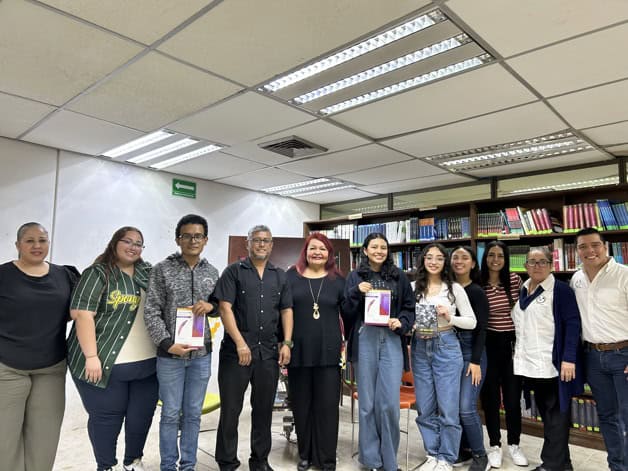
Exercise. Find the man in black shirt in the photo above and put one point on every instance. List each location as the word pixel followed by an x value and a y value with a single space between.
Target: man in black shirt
pixel 253 294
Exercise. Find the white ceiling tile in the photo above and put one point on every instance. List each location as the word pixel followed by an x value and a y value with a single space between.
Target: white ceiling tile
pixel 393 172
pixel 608 135
pixel 335 196
pixel 579 63
pixel 418 183
pixel 541 164
pixel 532 120
pixel 513 26
pixel 50 57
pixel 244 117
pixel 472 93
pixel 352 160
pixel 621 150
pixel 258 40
pixel 19 114
pixel 214 165
pixel 595 106
pixel 264 178
pixel 142 20
pixel 153 92
pixel 79 133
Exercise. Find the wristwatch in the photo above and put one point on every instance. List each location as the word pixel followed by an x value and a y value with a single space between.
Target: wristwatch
pixel 288 343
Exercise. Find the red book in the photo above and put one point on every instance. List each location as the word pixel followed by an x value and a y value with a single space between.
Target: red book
pixel 536 220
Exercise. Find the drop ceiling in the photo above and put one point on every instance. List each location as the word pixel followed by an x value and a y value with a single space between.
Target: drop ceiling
pixel 89 76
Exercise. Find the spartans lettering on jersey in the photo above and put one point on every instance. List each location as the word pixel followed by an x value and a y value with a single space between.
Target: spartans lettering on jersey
pixel 117 297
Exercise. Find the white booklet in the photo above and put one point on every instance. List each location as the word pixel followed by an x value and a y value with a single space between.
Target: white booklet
pixel 377 307
pixel 189 329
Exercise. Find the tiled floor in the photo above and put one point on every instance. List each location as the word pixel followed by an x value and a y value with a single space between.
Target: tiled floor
pixel 75 450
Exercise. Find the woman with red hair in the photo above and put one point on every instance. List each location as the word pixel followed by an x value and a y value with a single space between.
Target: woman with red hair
pixel 314 371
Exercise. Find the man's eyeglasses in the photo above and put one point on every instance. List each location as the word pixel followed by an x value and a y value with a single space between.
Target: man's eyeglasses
pixel 130 243
pixel 537 263
pixel 258 241
pixel 189 237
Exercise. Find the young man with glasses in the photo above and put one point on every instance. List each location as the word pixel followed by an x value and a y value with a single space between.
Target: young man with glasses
pixel 254 297
pixel 601 288
pixel 182 280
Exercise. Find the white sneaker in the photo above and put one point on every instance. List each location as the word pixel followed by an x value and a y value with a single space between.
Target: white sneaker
pixel 137 465
pixel 495 456
pixel 516 453
pixel 443 466
pixel 429 464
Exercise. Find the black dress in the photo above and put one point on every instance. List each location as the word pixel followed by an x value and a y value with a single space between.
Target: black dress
pixel 314 371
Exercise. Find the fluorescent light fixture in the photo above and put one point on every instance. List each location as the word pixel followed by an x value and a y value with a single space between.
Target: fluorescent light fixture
pixel 571 185
pixel 550 145
pixel 382 69
pixel 276 189
pixel 329 185
pixel 309 187
pixel 398 87
pixel 138 143
pixel 153 154
pixel 182 158
pixel 344 187
pixel 368 45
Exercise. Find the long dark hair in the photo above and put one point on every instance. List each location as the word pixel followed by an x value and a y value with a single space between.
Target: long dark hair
pixel 108 258
pixel 388 271
pixel 474 274
pixel 504 273
pixel 330 266
pixel 420 286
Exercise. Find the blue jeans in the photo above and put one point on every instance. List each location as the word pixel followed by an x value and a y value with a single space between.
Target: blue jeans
pixel 182 387
pixel 130 398
pixel 380 365
pixel 437 367
pixel 472 435
pixel 609 385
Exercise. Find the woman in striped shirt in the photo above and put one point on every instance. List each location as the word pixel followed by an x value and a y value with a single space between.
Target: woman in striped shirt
pixel 502 290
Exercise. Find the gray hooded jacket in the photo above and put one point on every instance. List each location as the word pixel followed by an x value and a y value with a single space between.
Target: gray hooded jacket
pixel 174 284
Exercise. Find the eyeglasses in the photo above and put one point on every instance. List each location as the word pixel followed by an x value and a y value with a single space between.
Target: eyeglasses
pixel 188 237
pixel 258 241
pixel 130 243
pixel 430 258
pixel 537 263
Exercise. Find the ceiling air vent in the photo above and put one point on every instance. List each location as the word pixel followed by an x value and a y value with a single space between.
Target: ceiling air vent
pixel 293 147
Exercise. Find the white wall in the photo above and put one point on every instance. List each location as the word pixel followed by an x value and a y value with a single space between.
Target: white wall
pixel 83 200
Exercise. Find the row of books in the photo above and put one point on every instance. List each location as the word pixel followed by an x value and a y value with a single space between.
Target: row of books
pixel 410 230
pixel 603 215
pixel 583 413
pixel 517 221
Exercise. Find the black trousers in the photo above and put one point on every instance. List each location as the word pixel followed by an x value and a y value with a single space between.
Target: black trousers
pixel 233 380
pixel 556 424
pixel 314 396
pixel 500 377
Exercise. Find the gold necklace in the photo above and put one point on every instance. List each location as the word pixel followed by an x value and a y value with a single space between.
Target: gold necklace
pixel 315 312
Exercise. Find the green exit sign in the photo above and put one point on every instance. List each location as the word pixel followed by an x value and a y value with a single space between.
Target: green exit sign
pixel 183 188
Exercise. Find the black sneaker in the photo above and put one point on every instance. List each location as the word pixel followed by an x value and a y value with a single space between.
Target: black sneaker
pixel 464 458
pixel 480 463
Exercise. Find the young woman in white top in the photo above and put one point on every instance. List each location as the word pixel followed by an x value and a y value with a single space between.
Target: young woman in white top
pixel 437 358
